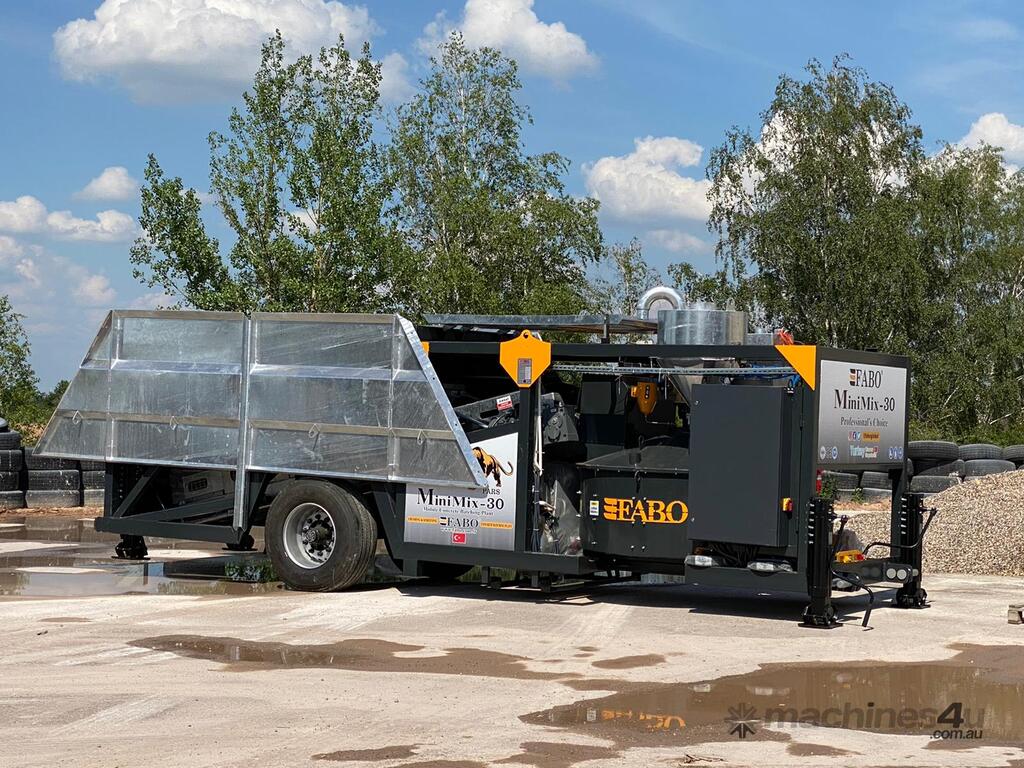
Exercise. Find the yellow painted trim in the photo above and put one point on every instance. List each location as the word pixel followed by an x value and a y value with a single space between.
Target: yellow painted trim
pixel 804 358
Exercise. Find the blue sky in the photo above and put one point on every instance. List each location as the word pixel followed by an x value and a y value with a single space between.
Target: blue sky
pixel 634 92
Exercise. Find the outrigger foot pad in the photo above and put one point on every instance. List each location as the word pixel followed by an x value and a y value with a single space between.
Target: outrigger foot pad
pixel 246 544
pixel 916 599
pixel 823 620
pixel 131 548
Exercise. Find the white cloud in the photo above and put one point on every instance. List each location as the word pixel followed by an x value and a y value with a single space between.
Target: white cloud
pixel 677 241
pixel 94 291
pixel 114 183
pixel 108 227
pixel 186 50
pixel 547 49
pixel 395 86
pixel 26 214
pixel 995 129
pixel 155 300
pixel 646 185
pixel 28 271
pixel 986 30
pixel 9 249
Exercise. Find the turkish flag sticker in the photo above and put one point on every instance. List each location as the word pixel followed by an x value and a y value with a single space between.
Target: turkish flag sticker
pixel 458 538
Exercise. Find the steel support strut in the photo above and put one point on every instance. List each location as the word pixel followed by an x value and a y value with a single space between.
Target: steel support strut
pixel 820 612
pixel 909 544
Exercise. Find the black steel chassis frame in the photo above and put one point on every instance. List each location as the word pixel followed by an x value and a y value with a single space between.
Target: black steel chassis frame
pixel 810 540
pixel 196 521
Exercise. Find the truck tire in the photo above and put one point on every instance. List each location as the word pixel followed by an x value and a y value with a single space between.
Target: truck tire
pixel 942 470
pixel 47 462
pixel 10 461
pixel 844 481
pixel 54 480
pixel 932 483
pixel 55 499
pixel 980 451
pixel 10 481
pixel 92 497
pixel 12 499
pixel 1014 453
pixel 938 450
pixel 319 536
pixel 10 441
pixel 876 494
pixel 876 480
pixel 982 467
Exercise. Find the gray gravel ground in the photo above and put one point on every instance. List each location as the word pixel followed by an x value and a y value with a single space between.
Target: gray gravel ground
pixel 979 527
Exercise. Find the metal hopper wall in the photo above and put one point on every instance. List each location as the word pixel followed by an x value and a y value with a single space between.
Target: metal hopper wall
pixel 321 394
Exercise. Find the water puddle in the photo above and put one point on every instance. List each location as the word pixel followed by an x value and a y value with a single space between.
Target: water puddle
pixel 354 654
pixel 65 575
pixel 976 697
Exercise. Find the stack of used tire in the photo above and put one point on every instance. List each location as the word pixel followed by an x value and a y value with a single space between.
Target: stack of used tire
pixel 1014 453
pixel 870 486
pixel 11 462
pixel 52 482
pixel 938 465
pixel 935 465
pixel 62 483
pixel 982 459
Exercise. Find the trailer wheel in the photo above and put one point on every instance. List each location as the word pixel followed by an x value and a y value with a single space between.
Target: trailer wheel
pixel 319 536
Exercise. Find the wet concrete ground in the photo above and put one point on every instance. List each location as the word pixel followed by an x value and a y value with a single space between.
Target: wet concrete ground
pixel 195 658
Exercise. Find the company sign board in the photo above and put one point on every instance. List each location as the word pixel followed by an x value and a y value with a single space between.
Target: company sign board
pixel 461 518
pixel 861 413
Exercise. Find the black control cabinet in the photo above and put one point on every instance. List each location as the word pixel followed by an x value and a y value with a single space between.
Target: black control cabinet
pixel 741 442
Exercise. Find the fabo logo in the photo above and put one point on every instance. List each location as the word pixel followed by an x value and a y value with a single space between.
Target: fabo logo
pixel 645 511
pixel 863 377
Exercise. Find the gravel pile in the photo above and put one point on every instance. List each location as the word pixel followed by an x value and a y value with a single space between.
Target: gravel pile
pixel 979 527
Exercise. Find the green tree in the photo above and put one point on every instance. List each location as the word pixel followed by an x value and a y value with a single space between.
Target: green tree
pixel 18 382
pixel 298 179
pixel 817 207
pixel 491 228
pixel 630 276
pixel 967 340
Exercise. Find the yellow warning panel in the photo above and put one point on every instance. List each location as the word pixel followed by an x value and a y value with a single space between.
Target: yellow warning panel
pixel 803 358
pixel 525 358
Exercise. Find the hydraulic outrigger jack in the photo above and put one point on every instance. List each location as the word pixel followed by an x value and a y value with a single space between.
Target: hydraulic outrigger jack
pixel 907 545
pixel 820 613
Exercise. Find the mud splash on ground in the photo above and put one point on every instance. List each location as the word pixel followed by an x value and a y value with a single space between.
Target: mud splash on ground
pixel 631 662
pixel 547 754
pixel 354 654
pixel 397 752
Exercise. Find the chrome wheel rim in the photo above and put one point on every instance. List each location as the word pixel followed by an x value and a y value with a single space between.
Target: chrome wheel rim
pixel 309 535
